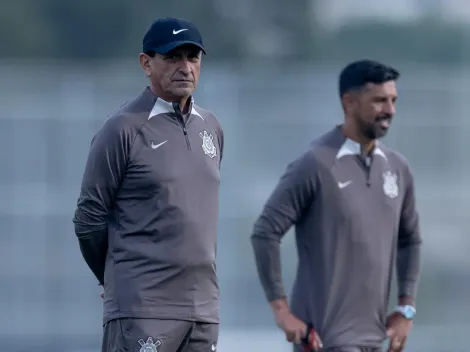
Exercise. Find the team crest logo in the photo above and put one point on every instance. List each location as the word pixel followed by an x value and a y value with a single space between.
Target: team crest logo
pixel 208 144
pixel 390 184
pixel 149 346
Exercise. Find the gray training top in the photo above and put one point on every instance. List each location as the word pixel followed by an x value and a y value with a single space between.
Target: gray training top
pixel 151 189
pixel 350 219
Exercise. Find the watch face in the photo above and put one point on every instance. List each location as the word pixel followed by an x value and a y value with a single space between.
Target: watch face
pixel 408 314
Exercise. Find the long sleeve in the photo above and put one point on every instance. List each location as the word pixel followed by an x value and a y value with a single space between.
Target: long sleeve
pixel 104 170
pixel 220 137
pixel 286 205
pixel 409 243
pixel 220 133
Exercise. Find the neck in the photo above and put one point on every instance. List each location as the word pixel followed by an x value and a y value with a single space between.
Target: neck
pixel 183 102
pixel 351 131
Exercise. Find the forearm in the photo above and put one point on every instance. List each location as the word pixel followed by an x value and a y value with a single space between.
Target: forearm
pixel 94 247
pixel 92 236
pixel 406 301
pixel 279 306
pixel 268 261
pixel 408 270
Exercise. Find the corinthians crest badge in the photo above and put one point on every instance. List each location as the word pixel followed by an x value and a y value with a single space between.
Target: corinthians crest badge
pixel 208 144
pixel 149 345
pixel 390 184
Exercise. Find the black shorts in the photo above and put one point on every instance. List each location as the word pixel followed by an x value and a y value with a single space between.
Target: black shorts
pixel 342 349
pixel 153 335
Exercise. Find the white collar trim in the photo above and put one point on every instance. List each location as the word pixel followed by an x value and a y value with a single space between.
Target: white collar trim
pixel 351 147
pixel 163 107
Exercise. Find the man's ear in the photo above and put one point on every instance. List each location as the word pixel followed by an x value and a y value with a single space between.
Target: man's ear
pixel 347 100
pixel 145 64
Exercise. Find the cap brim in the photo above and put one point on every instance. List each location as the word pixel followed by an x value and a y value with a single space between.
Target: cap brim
pixel 165 49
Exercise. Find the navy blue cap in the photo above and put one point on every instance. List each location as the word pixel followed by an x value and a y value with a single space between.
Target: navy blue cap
pixel 166 34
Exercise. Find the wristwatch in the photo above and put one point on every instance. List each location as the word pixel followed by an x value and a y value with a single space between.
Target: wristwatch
pixel 407 311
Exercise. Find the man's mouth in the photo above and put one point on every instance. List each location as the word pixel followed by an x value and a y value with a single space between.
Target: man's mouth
pixel 384 122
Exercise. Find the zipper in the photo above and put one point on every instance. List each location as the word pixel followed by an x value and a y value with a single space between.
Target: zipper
pixel 367 166
pixel 185 132
pixel 180 117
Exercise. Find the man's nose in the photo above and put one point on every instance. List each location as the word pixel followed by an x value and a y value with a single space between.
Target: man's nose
pixel 185 66
pixel 390 108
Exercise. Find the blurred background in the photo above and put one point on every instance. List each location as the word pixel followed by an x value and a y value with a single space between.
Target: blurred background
pixel 271 78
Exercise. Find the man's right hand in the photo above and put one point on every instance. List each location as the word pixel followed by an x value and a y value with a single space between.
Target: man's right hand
pixel 294 328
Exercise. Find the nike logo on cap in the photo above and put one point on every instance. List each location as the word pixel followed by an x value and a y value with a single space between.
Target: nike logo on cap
pixel 179 31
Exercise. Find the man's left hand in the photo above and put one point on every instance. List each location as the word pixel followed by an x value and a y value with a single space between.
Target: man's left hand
pixel 398 328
